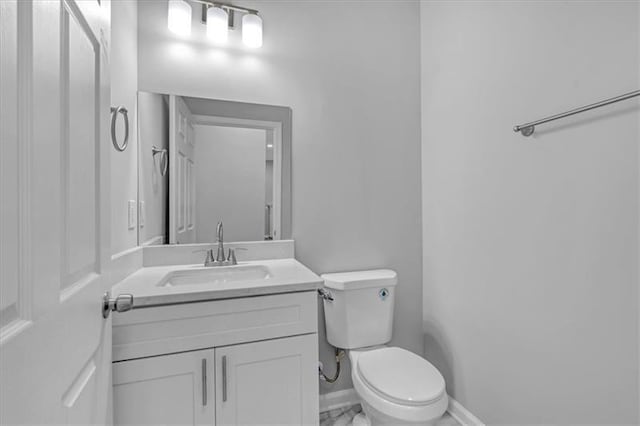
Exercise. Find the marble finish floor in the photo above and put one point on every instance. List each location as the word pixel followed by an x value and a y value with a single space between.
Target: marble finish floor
pixel 344 417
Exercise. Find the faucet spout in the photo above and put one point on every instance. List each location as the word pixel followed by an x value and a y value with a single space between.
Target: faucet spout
pixel 220 240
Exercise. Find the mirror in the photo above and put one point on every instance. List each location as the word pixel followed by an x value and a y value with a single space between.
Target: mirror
pixel 207 160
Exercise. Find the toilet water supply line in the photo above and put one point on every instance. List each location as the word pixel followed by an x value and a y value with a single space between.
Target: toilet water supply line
pixel 339 355
pixel 327 297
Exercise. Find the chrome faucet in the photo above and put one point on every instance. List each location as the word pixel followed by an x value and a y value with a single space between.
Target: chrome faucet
pixel 220 240
pixel 220 259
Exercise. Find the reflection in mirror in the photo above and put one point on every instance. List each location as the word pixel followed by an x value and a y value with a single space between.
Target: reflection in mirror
pixel 203 161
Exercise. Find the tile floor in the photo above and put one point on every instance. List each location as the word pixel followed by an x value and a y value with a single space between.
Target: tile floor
pixel 344 416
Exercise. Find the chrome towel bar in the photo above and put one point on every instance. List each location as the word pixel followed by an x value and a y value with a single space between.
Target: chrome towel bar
pixel 527 129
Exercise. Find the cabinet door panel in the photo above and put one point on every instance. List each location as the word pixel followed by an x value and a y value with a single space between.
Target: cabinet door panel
pixel 272 382
pixel 165 390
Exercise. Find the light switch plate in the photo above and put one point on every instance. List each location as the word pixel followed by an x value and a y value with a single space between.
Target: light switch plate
pixel 142 214
pixel 132 214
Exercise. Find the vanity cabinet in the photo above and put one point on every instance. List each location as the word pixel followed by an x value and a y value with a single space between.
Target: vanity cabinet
pixel 170 389
pixel 245 361
pixel 273 382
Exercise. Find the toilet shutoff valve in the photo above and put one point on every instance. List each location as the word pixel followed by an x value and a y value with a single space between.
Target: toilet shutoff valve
pixel 324 293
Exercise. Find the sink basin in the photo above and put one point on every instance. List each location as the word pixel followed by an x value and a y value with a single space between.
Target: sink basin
pixel 216 276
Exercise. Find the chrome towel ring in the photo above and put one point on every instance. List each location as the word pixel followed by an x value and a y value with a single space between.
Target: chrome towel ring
pixel 114 115
pixel 164 159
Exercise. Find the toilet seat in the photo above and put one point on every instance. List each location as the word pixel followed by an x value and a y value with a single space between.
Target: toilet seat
pixel 399 384
pixel 401 376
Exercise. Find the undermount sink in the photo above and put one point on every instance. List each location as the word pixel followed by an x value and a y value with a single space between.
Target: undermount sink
pixel 216 276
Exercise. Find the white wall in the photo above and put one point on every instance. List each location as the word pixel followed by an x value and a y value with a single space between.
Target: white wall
pixel 351 75
pixel 230 182
pixel 124 86
pixel 154 188
pixel 530 244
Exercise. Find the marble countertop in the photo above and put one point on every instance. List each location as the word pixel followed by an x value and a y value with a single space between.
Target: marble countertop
pixel 148 289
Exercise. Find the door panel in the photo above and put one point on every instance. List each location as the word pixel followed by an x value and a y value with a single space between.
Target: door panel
pixel 167 389
pixel 273 382
pixel 55 347
pixel 181 173
pixel 9 160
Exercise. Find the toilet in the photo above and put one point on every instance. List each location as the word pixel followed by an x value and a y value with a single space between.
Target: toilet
pixel 395 386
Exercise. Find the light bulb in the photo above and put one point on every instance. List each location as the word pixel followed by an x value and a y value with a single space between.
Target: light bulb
pixel 217 24
pixel 179 17
pixel 252 30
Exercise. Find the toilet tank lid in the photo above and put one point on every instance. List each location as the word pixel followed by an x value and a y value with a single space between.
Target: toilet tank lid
pixel 360 279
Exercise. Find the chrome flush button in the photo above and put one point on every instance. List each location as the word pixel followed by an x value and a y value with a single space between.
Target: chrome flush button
pixel 383 293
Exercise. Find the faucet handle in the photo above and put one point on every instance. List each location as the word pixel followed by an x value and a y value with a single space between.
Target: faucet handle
pixel 209 260
pixel 232 255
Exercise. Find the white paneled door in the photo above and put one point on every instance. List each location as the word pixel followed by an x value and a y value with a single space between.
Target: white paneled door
pixel 55 346
pixel 181 173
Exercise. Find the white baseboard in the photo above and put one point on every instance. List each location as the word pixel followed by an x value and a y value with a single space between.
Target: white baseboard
pixel 338 399
pixel 348 397
pixel 462 415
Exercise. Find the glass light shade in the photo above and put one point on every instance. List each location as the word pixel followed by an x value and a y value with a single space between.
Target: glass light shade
pixel 217 24
pixel 252 30
pixel 179 17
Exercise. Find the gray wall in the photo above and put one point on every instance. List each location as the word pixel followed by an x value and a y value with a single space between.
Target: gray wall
pixel 530 244
pixel 124 86
pixel 351 74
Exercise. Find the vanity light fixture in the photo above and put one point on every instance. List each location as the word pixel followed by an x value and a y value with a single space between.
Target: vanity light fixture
pixel 217 24
pixel 219 18
pixel 179 17
pixel 252 30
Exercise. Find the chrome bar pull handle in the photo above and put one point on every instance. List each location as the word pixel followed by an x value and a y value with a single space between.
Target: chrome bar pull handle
pixel 204 382
pixel 224 378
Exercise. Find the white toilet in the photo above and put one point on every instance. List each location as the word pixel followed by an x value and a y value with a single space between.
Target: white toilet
pixel 395 386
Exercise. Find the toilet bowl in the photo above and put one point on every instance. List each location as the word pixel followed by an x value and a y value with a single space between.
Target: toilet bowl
pixel 397 387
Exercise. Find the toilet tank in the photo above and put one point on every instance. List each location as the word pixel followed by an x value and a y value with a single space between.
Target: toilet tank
pixel 361 312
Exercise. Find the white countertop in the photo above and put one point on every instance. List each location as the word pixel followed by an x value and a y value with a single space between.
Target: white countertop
pixel 285 275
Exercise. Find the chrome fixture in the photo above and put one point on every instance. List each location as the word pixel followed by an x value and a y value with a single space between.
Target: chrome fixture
pixel 220 240
pixel 219 259
pixel 268 234
pixel 219 18
pixel 122 303
pixel 527 129
pixel 325 294
pixel 211 261
pixel 204 381
pixel 164 159
pixel 114 116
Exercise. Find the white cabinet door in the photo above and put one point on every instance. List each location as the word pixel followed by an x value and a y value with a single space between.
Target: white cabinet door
pixel 165 390
pixel 273 382
pixel 55 254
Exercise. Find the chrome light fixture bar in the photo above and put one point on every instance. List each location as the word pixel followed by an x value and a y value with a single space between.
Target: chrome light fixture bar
pixel 229 8
pixel 219 18
pixel 251 21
